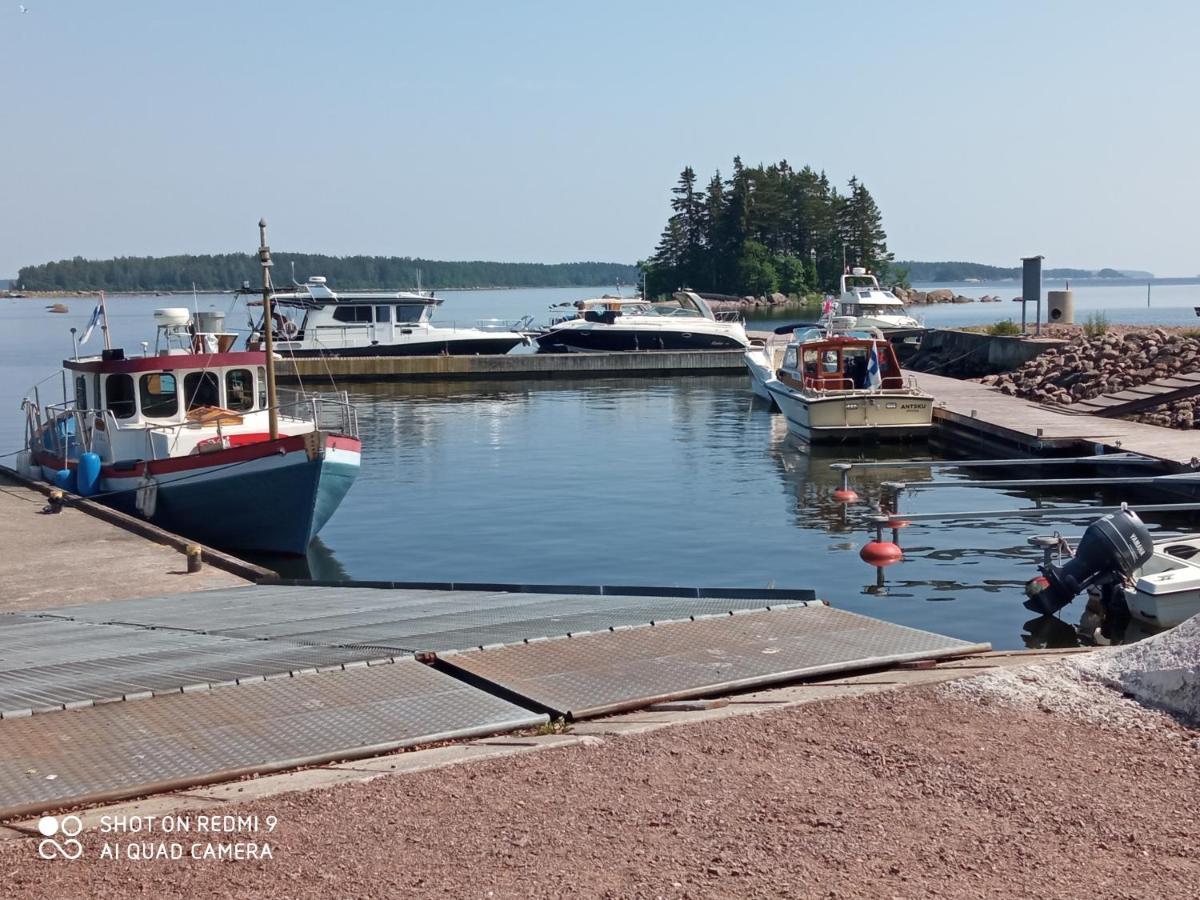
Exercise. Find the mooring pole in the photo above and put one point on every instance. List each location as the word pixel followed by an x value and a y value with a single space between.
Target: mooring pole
pixel 264 257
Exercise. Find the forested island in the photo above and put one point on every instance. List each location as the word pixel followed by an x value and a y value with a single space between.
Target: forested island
pixel 227 271
pixel 766 229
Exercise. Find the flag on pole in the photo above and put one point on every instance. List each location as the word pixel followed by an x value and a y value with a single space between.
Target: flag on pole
pixel 874 378
pixel 827 308
pixel 95 319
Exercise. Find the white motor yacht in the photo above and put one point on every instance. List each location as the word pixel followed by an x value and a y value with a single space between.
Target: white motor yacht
pixel 870 305
pixel 686 322
pixel 311 320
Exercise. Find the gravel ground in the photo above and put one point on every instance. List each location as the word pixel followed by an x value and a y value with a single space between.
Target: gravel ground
pixel 906 794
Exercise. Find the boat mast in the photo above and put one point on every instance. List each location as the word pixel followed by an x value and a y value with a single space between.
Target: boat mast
pixel 264 256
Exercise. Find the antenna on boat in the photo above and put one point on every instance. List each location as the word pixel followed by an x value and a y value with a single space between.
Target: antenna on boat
pixel 264 256
pixel 294 281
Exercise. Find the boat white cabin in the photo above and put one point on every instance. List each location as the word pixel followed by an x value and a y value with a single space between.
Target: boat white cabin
pixel 311 320
pixel 870 305
pixel 686 322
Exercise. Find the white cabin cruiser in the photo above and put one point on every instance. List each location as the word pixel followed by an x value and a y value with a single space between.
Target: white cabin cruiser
pixel 844 383
pixel 312 320
pixel 686 322
pixel 870 305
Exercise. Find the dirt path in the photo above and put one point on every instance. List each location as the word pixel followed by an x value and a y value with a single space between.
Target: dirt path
pixel 896 795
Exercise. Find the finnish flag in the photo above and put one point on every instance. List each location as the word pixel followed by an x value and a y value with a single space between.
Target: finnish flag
pixel 874 378
pixel 96 313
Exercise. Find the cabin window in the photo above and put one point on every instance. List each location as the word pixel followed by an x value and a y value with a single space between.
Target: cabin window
pixel 118 395
pixel 829 361
pixel 239 390
pixel 262 388
pixel 158 397
pixel 410 312
pixel 201 389
pixel 810 362
pixel 383 314
pixel 352 313
pixel 81 392
pixel 789 358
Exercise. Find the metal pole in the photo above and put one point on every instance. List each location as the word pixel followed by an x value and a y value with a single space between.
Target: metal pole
pixel 264 256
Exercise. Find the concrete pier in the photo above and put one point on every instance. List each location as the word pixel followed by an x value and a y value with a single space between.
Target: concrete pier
pixel 72 557
pixel 523 366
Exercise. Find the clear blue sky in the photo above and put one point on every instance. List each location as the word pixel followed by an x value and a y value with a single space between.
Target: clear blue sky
pixel 554 131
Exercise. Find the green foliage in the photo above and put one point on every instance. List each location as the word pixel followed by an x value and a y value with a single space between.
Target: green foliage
pixel 763 229
pixel 1005 327
pixel 229 270
pixel 1096 325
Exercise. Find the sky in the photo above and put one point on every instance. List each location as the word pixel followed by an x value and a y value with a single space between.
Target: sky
pixel 553 132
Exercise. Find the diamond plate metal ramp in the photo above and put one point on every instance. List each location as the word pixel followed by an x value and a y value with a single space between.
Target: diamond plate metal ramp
pixel 595 674
pixel 122 750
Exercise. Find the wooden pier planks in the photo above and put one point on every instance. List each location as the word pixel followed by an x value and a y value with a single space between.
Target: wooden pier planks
pixel 976 407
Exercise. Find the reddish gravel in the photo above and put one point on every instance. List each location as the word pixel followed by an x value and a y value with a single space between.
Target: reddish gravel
pixel 895 795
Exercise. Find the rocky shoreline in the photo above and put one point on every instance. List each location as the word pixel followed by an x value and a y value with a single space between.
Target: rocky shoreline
pixel 913 297
pixel 1090 366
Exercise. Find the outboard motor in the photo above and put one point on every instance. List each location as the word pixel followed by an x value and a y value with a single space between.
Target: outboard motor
pixel 1111 550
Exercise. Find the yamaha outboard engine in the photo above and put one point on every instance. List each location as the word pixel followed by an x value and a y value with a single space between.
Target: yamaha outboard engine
pixel 1111 549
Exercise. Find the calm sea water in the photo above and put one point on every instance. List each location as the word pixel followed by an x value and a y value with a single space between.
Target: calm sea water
pixel 679 482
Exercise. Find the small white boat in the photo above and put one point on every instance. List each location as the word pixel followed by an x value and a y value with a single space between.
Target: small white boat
pixel 842 383
pixel 1166 590
pixel 870 305
pixel 760 359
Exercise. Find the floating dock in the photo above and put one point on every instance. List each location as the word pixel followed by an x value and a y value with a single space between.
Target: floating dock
pixel 968 409
pixel 511 367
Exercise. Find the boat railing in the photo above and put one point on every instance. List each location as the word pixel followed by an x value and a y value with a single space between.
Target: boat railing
pixel 729 315
pixel 525 323
pixel 330 411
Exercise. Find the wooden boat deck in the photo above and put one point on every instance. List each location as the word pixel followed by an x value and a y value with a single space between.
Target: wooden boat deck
pixel 977 408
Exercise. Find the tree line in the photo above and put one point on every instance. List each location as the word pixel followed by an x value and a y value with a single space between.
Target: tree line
pixel 934 272
pixel 227 271
pixel 766 229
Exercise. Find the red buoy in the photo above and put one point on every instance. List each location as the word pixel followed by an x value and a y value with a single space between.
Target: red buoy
pixel 881 553
pixel 845 495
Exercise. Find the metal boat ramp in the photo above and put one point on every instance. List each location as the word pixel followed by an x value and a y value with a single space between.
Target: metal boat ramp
pixel 107 701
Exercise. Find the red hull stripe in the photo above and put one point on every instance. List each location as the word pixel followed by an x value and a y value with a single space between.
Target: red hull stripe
pixel 167 363
pixel 213 459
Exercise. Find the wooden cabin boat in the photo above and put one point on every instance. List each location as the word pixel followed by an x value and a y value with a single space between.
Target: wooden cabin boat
pixel 183 437
pixel 838 384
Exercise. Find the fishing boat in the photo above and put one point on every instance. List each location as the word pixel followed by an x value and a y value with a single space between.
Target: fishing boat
pixel 190 438
pixel 870 305
pixel 843 383
pixel 310 319
pixel 686 322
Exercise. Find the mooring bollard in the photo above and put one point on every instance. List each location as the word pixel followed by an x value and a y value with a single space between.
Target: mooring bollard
pixel 194 560
pixel 56 502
